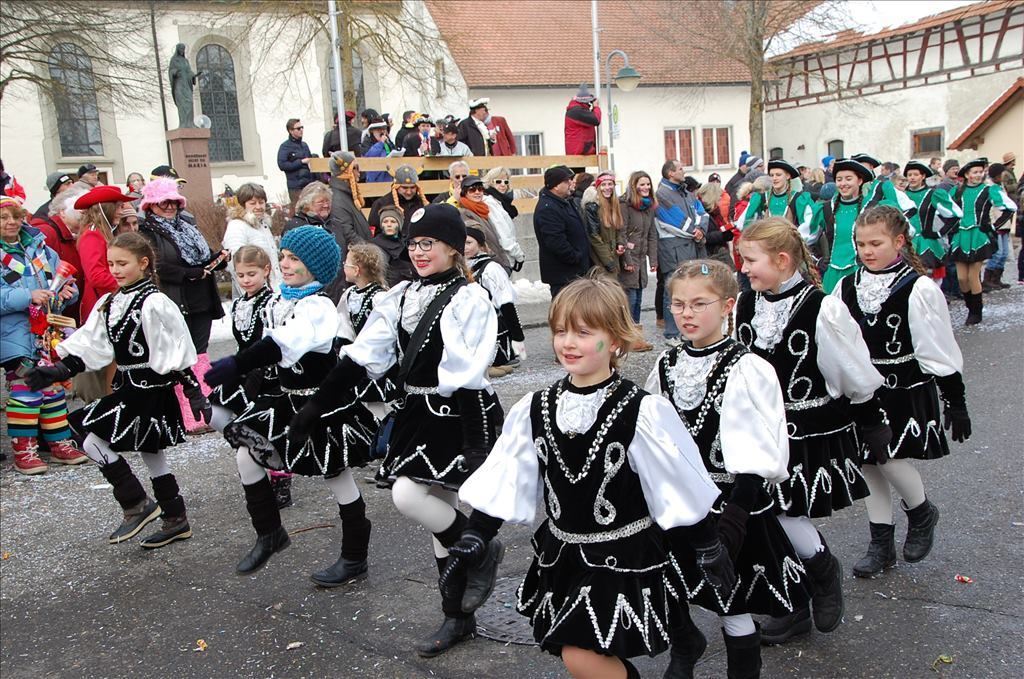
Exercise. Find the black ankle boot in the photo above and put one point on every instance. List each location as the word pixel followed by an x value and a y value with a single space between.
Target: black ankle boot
pixel 480 579
pixel 271 537
pixel 744 656
pixel 172 506
pixel 688 645
pixel 921 521
pixel 975 305
pixel 881 552
pixel 135 519
pixel 826 575
pixel 138 509
pixel 452 631
pixel 355 543
pixel 266 546
pixel 775 631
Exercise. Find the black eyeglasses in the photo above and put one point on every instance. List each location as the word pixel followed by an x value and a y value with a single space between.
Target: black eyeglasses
pixel 475 189
pixel 298 127
pixel 423 244
pixel 459 176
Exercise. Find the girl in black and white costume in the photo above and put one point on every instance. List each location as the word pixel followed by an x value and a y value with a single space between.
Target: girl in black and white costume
pixel 622 482
pixel 906 326
pixel 366 269
pixel 829 384
pixel 300 328
pixel 441 331
pixel 732 403
pixel 494 279
pixel 144 332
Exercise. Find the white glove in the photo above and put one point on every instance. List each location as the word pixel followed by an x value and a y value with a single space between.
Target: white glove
pixel 520 349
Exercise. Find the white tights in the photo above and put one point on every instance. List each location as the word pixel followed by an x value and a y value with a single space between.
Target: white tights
pixel 99 452
pixel 802 535
pixel 898 474
pixel 738 625
pixel 432 507
pixel 343 485
pixel 222 417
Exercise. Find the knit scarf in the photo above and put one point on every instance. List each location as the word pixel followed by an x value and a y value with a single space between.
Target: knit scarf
pixel 646 202
pixel 290 293
pixel 191 244
pixel 480 208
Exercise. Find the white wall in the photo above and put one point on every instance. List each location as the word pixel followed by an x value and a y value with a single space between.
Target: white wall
pixel 881 124
pixel 644 114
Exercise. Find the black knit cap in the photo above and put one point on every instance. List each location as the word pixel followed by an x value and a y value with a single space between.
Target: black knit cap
pixel 476 234
pixel 554 176
pixel 441 222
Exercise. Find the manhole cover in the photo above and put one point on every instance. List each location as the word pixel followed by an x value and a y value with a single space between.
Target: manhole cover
pixel 497 619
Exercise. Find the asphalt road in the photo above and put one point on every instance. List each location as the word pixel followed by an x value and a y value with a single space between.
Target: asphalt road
pixel 71 605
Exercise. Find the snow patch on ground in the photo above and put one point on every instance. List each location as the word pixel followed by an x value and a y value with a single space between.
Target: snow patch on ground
pixel 531 292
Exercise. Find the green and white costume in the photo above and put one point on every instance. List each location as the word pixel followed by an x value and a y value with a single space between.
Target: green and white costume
pixel 795 205
pixel 974 238
pixel 936 216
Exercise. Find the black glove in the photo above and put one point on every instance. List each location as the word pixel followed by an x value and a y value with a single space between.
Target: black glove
pixel 877 439
pixel 252 384
pixel 959 421
pixel 302 424
pixel 518 266
pixel 222 371
pixel 42 376
pixel 468 551
pixel 728 235
pixel 197 401
pixel 732 528
pixel 714 562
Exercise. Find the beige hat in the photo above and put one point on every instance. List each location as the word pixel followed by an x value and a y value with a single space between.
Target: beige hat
pixel 1009 157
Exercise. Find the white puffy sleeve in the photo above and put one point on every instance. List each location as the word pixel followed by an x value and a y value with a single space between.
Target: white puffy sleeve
pixel 91 342
pixel 506 486
pixel 653 385
pixel 497 282
pixel 935 347
pixel 374 347
pixel 170 344
pixel 312 328
pixel 469 329
pixel 675 483
pixel 844 360
pixel 753 424
pixel 346 331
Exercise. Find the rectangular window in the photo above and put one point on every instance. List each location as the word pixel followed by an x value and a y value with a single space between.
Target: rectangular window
pixel 679 145
pixel 775 153
pixel 836 148
pixel 715 141
pixel 927 142
pixel 529 144
pixel 439 78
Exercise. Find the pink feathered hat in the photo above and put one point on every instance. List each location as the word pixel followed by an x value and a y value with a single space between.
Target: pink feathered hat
pixel 160 189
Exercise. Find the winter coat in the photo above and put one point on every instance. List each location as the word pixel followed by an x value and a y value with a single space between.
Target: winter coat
pixel 504 141
pixel 506 200
pixel 16 340
pixel 92 248
pixel 60 239
pixel 240 233
pixel 338 285
pixel 506 230
pixel 563 245
pixel 408 207
pixel 471 137
pixel 604 238
pixel 678 214
pixel 581 123
pixel 473 220
pixel 183 283
pixel 641 238
pixel 380 149
pixel 332 141
pixel 411 144
pixel 347 219
pixel 460 150
pixel 399 267
pixel 715 240
pixel 289 160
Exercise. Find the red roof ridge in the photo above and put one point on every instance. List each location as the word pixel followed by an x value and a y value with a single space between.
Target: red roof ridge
pixel 976 124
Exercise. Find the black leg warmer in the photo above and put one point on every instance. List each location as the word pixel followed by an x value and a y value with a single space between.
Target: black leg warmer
pixel 355 530
pixel 165 490
pixel 128 491
pixel 261 503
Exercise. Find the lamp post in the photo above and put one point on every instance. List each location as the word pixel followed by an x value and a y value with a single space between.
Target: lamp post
pixel 626 80
pixel 339 88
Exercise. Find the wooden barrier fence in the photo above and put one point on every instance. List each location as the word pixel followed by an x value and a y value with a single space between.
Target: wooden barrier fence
pixel 477 164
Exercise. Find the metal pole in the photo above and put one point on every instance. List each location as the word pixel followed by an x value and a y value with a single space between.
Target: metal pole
pixel 611 122
pixel 159 74
pixel 339 92
pixel 597 73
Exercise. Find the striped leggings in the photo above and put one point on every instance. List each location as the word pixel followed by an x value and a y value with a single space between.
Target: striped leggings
pixel 33 413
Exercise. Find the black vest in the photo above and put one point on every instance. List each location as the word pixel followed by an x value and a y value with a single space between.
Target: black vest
pixel 423 371
pixel 887 333
pixel 591 465
pixel 246 337
pixel 131 350
pixel 810 410
pixel 363 313
pixel 310 370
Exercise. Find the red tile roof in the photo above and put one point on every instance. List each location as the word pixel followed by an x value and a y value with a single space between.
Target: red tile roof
pixel 543 43
pixel 963 141
pixel 849 38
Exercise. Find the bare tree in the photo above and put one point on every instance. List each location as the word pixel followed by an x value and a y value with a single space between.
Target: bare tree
pixel 115 41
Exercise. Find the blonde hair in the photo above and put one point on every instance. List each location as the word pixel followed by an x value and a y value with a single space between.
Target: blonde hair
pixel 896 224
pixel 717 275
pixel 596 301
pixel 495 173
pixel 609 209
pixel 777 234
pixel 370 260
pixel 710 194
pixel 251 255
pixel 101 217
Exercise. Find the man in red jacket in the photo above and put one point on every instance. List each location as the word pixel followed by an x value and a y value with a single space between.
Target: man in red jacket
pixel 582 116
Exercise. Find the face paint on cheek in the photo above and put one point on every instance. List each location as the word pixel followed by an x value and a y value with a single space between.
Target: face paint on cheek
pixel 600 346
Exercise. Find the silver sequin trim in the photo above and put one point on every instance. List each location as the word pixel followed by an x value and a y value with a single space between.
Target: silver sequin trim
pixel 626 531
pixel 422 391
pixel 299 392
pixel 808 404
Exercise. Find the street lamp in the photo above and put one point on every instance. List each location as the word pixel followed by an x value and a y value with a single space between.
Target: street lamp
pixel 626 80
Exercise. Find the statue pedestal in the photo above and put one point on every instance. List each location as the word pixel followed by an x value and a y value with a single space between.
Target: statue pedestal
pixel 190 156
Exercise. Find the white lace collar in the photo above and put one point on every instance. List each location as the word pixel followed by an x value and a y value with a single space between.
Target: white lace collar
pixel 576 409
pixel 873 288
pixel 690 374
